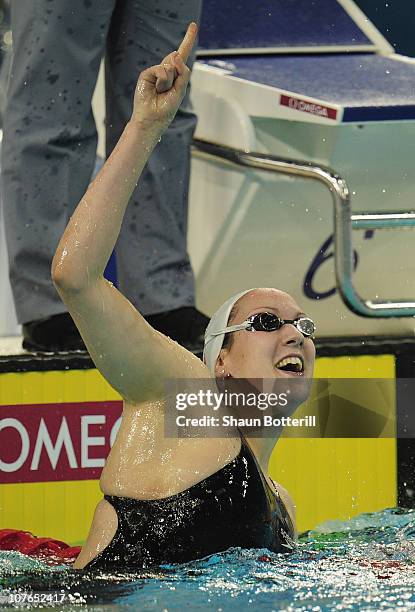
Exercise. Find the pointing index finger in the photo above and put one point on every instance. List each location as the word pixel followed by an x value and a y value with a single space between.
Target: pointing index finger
pixel 188 41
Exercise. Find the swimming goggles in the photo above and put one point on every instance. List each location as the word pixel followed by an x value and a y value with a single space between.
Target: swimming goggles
pixel 268 321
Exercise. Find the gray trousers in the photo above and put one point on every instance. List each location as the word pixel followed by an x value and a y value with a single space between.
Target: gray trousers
pixel 50 139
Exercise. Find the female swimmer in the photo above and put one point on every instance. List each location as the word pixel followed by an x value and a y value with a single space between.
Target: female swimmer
pixel 172 500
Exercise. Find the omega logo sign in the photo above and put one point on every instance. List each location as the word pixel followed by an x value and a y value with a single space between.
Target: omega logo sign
pixel 45 442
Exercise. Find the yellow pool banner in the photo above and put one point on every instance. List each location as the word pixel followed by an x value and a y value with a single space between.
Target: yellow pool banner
pixel 337 478
pixel 56 428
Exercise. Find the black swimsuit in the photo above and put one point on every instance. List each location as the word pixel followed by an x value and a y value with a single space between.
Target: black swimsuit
pixel 233 507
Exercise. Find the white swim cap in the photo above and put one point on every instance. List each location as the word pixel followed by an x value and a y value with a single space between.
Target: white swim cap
pixel 219 321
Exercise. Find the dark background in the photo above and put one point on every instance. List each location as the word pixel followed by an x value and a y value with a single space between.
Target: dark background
pixel 395 19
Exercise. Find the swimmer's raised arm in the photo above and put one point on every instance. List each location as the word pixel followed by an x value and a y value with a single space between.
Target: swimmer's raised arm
pixel 133 357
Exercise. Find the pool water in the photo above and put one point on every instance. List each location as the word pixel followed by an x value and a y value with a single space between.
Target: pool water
pixel 367 563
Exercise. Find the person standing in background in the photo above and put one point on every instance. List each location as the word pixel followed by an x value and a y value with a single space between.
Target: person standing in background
pixel 49 151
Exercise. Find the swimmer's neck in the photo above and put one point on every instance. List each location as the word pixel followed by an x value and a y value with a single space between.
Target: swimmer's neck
pixel 263 447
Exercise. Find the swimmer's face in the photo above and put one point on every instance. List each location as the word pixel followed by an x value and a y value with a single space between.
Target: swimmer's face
pixel 255 354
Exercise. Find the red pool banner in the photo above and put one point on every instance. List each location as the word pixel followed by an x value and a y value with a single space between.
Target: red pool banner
pixel 50 442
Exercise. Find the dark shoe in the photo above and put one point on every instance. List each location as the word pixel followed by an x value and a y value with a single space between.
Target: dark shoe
pixel 186 325
pixel 52 334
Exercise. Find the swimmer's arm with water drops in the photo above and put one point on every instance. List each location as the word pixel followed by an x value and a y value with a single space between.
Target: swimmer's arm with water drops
pixel 133 357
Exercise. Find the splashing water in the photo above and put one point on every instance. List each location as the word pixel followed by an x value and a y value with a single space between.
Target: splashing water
pixel 367 563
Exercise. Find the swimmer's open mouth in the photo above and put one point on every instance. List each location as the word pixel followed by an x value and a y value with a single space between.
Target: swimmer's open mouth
pixel 292 364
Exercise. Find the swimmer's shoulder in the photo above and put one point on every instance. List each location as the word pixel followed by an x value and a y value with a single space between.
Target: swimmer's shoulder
pixel 186 363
